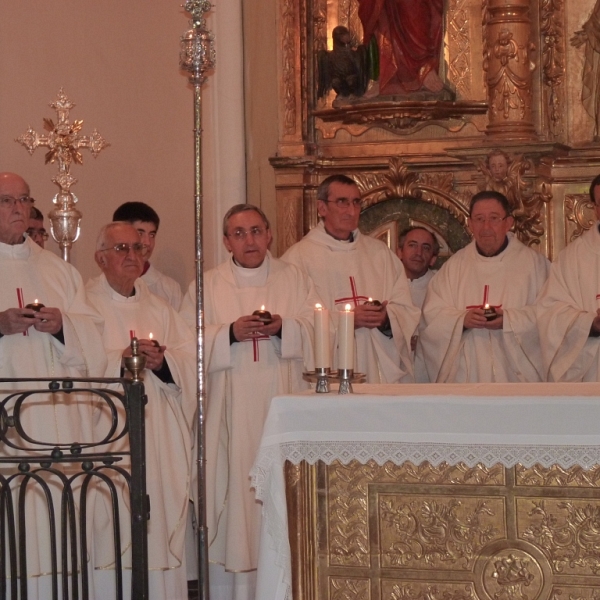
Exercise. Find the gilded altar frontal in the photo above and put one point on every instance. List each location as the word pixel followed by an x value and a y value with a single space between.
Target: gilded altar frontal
pixel 370 532
pixel 507 98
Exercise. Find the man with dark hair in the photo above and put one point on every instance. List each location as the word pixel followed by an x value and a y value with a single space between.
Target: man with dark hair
pixel 569 307
pixel 36 230
pixel 250 359
pixel 145 219
pixel 351 268
pixel 418 249
pixel 479 316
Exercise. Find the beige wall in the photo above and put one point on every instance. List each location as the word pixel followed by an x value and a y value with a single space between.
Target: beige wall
pixel 118 62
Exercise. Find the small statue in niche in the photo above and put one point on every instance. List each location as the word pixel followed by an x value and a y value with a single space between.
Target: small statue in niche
pixel 589 35
pixel 506 175
pixel 344 68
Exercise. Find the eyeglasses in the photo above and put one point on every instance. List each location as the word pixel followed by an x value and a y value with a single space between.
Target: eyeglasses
pixel 123 249
pixel 346 202
pixel 493 220
pixel 42 233
pixel 10 202
pixel 240 234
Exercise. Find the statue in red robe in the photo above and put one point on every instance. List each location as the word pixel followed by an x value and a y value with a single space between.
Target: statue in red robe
pixel 409 35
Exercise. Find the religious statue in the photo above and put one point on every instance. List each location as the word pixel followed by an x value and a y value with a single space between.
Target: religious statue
pixel 344 68
pixel 589 35
pixel 408 35
pixel 504 174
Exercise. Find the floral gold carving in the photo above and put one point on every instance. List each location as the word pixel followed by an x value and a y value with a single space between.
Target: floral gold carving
pixel 556 476
pixel 444 533
pixel 577 593
pixel 568 533
pixel 516 575
pixel 426 591
pixel 579 210
pixel 553 62
pixel 289 65
pixel 460 46
pixel 400 182
pixel 349 589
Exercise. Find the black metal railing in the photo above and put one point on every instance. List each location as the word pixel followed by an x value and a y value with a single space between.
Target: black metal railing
pixel 51 488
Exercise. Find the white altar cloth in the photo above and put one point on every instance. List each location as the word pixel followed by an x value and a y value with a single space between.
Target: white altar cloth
pixel 506 423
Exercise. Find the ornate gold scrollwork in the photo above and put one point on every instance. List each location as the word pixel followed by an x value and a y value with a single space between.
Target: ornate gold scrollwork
pixel 288 44
pixel 580 211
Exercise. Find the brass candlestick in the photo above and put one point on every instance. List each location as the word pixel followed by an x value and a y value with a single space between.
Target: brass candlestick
pixel 135 363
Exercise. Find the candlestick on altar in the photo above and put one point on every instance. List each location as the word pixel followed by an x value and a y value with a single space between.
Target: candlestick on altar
pixel 346 349
pixel 322 349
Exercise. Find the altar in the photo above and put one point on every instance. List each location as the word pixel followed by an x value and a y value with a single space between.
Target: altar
pixel 432 492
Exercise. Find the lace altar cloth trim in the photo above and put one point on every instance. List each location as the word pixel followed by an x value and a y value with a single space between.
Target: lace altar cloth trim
pixel 267 473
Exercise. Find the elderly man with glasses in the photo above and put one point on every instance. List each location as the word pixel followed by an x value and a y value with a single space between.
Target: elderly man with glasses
pixel 58 340
pixel 351 268
pixel 130 309
pixel 479 321
pixel 250 359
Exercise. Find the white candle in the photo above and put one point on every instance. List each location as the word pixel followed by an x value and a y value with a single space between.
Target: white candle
pixel 322 348
pixel 346 339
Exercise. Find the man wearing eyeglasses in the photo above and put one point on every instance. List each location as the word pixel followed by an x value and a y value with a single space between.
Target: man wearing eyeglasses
pixel 479 320
pixel 36 229
pixel 250 359
pixel 569 306
pixel 130 309
pixel 60 340
pixel 351 268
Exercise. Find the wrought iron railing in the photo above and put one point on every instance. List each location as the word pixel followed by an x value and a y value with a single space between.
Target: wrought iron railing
pixel 60 482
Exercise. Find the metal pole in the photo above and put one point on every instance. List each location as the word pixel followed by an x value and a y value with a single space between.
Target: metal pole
pixel 197 57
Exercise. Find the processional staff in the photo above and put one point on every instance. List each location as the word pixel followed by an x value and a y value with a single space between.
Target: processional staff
pixel 197 57
pixel 63 141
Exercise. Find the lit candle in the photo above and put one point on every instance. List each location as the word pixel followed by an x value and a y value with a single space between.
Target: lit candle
pixel 346 339
pixel 36 305
pixel 263 315
pixel 486 293
pixel 155 342
pixel 322 348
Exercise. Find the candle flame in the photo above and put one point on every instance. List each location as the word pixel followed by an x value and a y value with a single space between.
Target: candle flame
pixel 262 307
pixel 318 306
pixel 347 308
pixel 36 301
pixel 486 306
pixel 150 336
pixel 370 299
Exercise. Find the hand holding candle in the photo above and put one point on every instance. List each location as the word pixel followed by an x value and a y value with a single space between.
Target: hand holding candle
pixel 346 338
pixel 322 347
pixel 264 315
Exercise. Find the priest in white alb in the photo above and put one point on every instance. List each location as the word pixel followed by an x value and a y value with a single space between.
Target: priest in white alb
pixel 60 340
pixel 250 359
pixel 351 268
pixel 569 307
pixel 130 309
pixel 479 320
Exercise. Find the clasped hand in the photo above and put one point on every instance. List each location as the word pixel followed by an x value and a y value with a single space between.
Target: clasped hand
pixel 155 355
pixel 371 317
pixel 251 327
pixel 18 320
pixel 475 319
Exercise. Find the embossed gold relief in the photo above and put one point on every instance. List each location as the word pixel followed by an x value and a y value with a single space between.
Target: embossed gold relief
pixel 567 532
pixel 556 476
pixel 526 203
pixel 437 534
pixel 349 589
pixel 459 50
pixel 288 45
pixel 579 215
pixel 576 593
pixel 553 63
pixel 508 68
pixel 400 182
pixel 427 591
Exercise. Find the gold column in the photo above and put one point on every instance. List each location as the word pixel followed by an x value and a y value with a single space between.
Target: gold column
pixel 508 67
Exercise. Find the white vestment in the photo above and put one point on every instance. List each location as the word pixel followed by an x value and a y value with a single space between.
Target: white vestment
pixel 169 423
pixel 566 309
pixel 451 354
pixel 242 379
pixel 351 273
pixel 164 286
pixel 53 418
pixel 418 287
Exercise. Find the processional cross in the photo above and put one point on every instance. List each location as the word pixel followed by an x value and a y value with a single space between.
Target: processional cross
pixel 63 142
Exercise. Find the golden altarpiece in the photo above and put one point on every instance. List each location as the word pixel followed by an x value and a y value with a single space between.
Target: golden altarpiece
pixel 523 79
